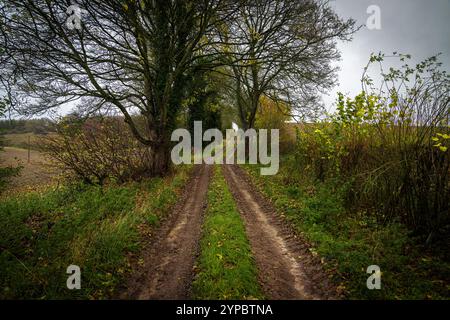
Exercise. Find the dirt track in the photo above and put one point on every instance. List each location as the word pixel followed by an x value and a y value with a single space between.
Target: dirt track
pixel 287 270
pixel 166 272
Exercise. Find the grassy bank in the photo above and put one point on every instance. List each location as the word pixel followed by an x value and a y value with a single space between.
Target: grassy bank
pixel 41 234
pixel 226 269
pixel 350 242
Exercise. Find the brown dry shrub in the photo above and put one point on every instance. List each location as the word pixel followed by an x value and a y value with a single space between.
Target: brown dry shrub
pixel 97 150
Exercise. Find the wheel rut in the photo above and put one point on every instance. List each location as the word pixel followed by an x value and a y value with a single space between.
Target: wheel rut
pixel 167 268
pixel 286 267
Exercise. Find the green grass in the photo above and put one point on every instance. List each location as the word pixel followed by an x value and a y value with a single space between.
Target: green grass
pixel 226 266
pixel 350 242
pixel 93 227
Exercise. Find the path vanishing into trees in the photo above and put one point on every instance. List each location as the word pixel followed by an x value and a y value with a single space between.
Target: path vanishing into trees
pixel 286 268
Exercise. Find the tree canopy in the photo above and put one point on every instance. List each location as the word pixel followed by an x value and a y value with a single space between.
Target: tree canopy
pixel 142 57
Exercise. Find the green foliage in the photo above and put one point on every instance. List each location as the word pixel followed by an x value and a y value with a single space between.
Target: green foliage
pixel 390 148
pixel 349 242
pixel 371 184
pixel 202 101
pixel 226 266
pixel 94 227
pixel 5 172
pixel 442 141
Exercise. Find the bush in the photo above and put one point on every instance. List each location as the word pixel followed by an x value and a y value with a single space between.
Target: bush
pixel 97 150
pixel 389 147
pixel 6 172
pixel 348 241
pixel 274 115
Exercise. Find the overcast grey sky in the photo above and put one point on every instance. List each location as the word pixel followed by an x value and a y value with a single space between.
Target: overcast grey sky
pixel 418 27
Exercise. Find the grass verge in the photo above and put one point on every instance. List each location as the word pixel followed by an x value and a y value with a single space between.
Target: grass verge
pixel 42 233
pixel 350 242
pixel 226 269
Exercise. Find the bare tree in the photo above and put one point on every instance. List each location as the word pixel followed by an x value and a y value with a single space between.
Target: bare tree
pixel 134 56
pixel 282 49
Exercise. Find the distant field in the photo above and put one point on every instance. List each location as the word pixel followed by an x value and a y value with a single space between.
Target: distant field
pixel 38 172
pixel 20 140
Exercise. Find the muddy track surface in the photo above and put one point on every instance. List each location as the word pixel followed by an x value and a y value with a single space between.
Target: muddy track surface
pixel 166 272
pixel 287 270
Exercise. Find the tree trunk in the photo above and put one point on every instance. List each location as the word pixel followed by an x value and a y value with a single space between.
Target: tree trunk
pixel 160 159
